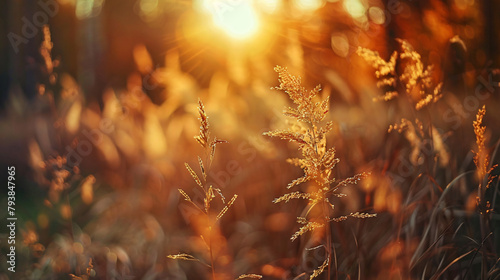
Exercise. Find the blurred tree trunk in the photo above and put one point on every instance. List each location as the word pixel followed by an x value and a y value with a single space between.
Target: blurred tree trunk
pixel 91 44
pixel 491 30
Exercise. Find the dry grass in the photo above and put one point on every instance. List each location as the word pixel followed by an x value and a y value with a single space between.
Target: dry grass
pixel 145 201
pixel 413 77
pixel 209 222
pixel 317 162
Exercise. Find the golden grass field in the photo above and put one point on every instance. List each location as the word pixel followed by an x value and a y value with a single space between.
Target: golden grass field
pixel 256 139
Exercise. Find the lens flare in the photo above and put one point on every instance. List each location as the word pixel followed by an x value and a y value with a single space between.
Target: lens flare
pixel 237 18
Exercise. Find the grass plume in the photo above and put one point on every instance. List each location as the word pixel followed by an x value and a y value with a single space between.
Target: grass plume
pixel 415 78
pixel 317 160
pixel 209 143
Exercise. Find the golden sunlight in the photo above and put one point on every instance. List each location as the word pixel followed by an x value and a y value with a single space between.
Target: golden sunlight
pixel 237 18
pixel 357 141
pixel 269 6
pixel 308 5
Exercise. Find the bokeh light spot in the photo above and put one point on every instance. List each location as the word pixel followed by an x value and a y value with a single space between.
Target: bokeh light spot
pixel 355 8
pixel 377 15
pixel 340 44
pixel 88 8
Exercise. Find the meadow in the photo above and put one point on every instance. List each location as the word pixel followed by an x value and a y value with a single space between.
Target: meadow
pixel 263 139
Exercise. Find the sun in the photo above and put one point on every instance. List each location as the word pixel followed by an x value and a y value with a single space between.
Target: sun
pixel 238 19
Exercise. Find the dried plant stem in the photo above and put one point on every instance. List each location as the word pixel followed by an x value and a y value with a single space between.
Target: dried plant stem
pixel 208 143
pixel 212 263
pixel 209 223
pixel 317 162
pixel 481 160
pixel 325 214
pixel 328 233
pixel 315 143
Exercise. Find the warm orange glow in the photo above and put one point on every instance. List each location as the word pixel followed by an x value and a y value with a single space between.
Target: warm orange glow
pixel 308 5
pixel 237 18
pixel 463 4
pixel 250 139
